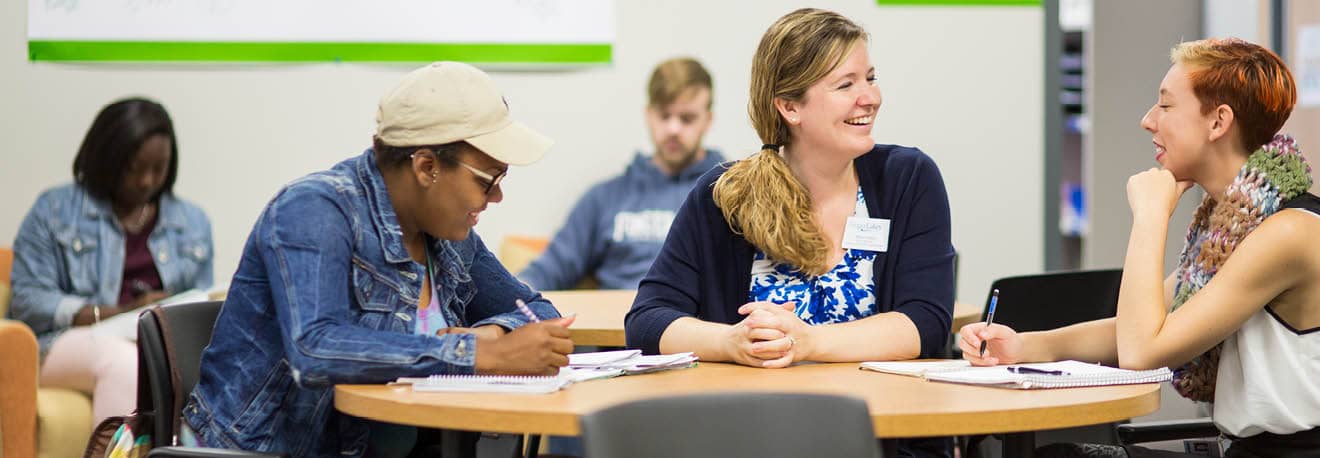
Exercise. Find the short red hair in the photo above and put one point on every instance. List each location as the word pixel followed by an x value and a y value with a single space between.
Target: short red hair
pixel 1250 79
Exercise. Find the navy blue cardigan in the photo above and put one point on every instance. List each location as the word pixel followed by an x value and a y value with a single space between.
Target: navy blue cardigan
pixel 704 269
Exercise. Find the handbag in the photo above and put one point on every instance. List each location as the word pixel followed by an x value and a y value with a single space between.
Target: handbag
pixel 125 436
pixel 129 436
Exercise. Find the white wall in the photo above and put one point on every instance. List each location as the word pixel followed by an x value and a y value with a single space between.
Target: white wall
pixel 961 83
pixel 1234 18
pixel 1127 57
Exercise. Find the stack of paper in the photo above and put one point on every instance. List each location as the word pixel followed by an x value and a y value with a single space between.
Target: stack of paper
pixel 601 358
pixel 631 361
pixel 581 367
pixel 916 368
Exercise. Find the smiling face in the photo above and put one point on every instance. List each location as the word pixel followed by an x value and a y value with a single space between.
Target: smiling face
pixel 452 205
pixel 838 111
pixel 1180 131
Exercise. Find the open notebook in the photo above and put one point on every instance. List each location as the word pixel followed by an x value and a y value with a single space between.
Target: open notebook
pixel 1062 374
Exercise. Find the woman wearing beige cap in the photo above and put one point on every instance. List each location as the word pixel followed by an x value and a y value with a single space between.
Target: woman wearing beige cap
pixel 370 271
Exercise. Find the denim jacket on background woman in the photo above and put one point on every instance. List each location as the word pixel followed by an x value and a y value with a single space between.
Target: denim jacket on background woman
pixel 69 252
pixel 326 294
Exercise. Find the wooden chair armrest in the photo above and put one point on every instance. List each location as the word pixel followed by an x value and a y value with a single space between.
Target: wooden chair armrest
pixel 18 388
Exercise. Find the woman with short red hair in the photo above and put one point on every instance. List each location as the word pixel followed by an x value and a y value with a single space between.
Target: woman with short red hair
pixel 1245 305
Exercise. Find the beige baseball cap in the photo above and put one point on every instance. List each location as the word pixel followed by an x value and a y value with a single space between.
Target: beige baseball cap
pixel 446 102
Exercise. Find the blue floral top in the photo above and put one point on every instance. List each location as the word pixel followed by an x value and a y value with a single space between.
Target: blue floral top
pixel 845 293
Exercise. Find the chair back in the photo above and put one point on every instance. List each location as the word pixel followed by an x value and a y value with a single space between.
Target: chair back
pixel 6 264
pixel 733 425
pixel 517 251
pixel 1055 299
pixel 175 346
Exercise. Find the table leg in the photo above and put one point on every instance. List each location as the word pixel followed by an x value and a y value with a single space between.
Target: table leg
pixel 1021 444
pixel 888 447
pixel 533 445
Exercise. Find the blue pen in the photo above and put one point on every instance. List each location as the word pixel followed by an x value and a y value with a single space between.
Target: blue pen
pixel 1032 370
pixel 990 317
pixel 522 307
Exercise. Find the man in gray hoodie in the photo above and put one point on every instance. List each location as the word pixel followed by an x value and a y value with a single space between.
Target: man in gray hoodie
pixel 616 230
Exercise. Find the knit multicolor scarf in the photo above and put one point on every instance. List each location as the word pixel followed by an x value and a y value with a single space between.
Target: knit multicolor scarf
pixel 1272 175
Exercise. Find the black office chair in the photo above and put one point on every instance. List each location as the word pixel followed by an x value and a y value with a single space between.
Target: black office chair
pixel 186 331
pixel 733 425
pixel 1048 301
pixel 1155 431
pixel 1052 300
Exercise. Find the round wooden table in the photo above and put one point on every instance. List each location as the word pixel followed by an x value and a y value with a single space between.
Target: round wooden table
pixel 600 314
pixel 900 406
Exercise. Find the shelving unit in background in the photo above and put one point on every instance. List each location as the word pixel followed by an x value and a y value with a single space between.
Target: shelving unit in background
pixel 1073 216
pixel 1067 124
pixel 1103 64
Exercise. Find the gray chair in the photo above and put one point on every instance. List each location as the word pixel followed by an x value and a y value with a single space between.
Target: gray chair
pixel 733 425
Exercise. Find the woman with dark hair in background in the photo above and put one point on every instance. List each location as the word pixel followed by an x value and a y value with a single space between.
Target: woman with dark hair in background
pixel 113 240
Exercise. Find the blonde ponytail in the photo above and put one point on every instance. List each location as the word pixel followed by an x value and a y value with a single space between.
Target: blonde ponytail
pixel 760 197
pixel 767 205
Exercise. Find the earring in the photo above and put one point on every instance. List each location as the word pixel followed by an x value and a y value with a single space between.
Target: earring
pixel 434 176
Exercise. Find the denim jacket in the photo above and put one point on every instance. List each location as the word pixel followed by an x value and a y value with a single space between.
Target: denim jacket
pixel 326 294
pixel 69 252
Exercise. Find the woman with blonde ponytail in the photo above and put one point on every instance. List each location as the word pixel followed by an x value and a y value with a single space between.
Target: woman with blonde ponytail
pixel 822 245
pixel 1244 297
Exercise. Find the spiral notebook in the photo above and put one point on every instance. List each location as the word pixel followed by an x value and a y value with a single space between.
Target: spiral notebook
pixel 487 383
pixel 1061 374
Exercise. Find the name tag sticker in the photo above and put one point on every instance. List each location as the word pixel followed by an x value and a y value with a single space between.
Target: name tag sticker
pixel 870 234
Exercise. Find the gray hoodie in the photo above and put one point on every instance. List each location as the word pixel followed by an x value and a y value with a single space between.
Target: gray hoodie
pixel 616 230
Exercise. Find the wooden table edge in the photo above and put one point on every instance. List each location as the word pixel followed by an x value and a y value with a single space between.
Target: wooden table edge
pixel 890 426
pixel 1018 420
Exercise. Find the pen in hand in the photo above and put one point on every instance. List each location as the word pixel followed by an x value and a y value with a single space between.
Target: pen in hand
pixel 990 316
pixel 522 307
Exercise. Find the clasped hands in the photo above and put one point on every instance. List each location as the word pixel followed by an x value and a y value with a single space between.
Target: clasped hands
pixel 771 336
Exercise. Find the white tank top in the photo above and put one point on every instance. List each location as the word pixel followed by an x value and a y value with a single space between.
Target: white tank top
pixel 1269 378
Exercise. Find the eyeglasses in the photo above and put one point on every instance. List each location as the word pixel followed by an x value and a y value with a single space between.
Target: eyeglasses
pixel 491 181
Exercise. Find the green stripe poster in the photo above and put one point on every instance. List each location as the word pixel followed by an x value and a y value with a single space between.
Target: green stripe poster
pixel 959 2
pixel 562 32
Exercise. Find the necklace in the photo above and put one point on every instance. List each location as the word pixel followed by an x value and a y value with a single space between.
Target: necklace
pixel 143 212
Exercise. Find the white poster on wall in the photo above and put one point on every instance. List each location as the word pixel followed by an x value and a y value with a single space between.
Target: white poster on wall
pixel 1307 65
pixel 356 29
